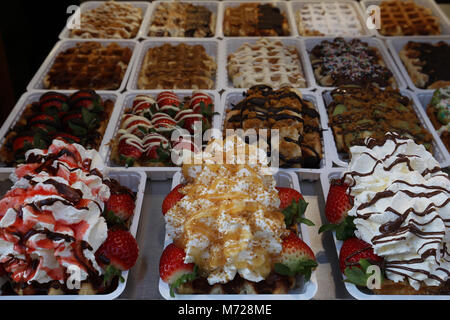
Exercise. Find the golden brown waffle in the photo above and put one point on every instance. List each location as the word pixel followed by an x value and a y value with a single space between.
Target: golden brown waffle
pixel 389 287
pixel 89 65
pixel 427 64
pixel 406 18
pixel 180 66
pixel 253 19
pixel 110 20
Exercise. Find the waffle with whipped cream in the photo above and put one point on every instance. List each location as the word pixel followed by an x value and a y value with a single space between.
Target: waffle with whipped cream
pixel 328 18
pixel 266 62
pixel 110 20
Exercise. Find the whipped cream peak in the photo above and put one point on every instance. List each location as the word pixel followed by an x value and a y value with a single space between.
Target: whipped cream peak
pixel 401 207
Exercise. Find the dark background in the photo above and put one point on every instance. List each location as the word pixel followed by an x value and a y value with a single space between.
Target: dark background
pixel 28 31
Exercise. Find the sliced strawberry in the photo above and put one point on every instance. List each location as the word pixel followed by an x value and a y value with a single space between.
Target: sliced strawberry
pixel 23 143
pixel 173 270
pixel 172 198
pixel 42 117
pixel 164 123
pixel 200 101
pixel 142 103
pixel 74 115
pixel 293 206
pixel 129 152
pixel 167 98
pixel 339 202
pixel 296 257
pixel 119 208
pixel 85 99
pixel 66 137
pixel 52 99
pixel 189 123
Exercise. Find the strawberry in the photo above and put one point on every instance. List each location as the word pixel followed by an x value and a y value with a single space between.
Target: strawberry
pixel 66 137
pixel 189 122
pixel 24 142
pixel 293 206
pixel 85 99
pixel 296 257
pixel 119 208
pixel 172 268
pixel 142 103
pixel 158 153
pixel 172 198
pixel 53 99
pixel 167 98
pixel 128 152
pixel 200 101
pixel 354 258
pixel 118 253
pixel 336 210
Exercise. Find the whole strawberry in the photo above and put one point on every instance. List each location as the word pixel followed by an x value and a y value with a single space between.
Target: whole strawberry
pixel 172 198
pixel 296 257
pixel 119 208
pixel 118 253
pixel 173 270
pixel 293 206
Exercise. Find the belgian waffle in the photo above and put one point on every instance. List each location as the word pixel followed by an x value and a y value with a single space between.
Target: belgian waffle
pixel 89 65
pixel 328 18
pixel 110 20
pixel 406 18
pixel 356 113
pixel 296 119
pixel 177 19
pixel 181 66
pixel 267 62
pixel 427 64
pixel 254 19
pixel 341 62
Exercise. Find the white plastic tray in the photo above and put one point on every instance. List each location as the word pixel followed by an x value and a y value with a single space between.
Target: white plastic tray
pixel 325 178
pixel 306 291
pixel 439 150
pixel 297 5
pixel 231 45
pixel 211 45
pixel 396 44
pixel 30 97
pixel 154 173
pixel 283 5
pixel 310 43
pixel 445 25
pixel 89 5
pixel 234 96
pixel 213 6
pixel 37 82
pixel 136 182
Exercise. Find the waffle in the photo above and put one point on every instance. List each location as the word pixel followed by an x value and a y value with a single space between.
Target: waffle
pixel 253 19
pixel 110 20
pixel 341 62
pixel 330 18
pixel 438 110
pixel 176 19
pixel 356 113
pixel 427 64
pixel 266 62
pixel 179 66
pixel 296 119
pixel 89 65
pixel 406 18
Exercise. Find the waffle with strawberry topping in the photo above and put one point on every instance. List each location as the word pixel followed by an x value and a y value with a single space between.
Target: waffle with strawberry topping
pixel 146 129
pixel 81 117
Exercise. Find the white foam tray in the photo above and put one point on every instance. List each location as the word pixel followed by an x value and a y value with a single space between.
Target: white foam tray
pixel 37 82
pixel 89 5
pixel 297 5
pixel 310 43
pixel 396 44
pixel 234 96
pixel 136 182
pixel 325 178
pixel 231 45
pixel 284 8
pixel 306 291
pixel 33 96
pixel 439 150
pixel 154 173
pixel 444 21
pixel 211 45
pixel 213 6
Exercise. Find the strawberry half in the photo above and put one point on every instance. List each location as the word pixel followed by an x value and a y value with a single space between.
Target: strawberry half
pixel 128 152
pixel 173 270
pixel 355 257
pixel 339 202
pixel 172 198
pixel 296 257
pixel 119 208
pixel 23 143
pixel 118 253
pixel 293 206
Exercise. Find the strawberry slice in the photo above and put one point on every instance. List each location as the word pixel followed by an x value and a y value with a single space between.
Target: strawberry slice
pixel 293 206
pixel 296 257
pixel 128 152
pixel 66 137
pixel 53 99
pixel 167 98
pixel 336 210
pixel 23 143
pixel 172 198
pixel 85 99
pixel 173 270
pixel 200 101
pixel 355 257
pixel 119 208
